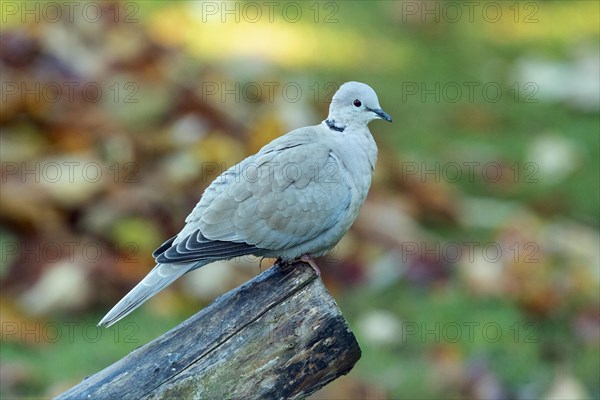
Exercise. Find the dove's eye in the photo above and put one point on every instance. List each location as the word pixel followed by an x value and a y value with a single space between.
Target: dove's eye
pixel 357 103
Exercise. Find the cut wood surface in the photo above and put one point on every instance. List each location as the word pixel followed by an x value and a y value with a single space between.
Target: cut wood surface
pixel 279 336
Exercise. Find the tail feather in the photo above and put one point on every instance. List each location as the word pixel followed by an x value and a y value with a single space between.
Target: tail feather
pixel 161 276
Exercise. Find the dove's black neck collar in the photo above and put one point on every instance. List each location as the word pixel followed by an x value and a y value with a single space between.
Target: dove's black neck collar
pixel 334 126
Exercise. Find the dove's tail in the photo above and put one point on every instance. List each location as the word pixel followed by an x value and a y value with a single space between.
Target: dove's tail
pixel 161 276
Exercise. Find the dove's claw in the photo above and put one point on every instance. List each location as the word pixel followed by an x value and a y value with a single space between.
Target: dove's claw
pixel 307 258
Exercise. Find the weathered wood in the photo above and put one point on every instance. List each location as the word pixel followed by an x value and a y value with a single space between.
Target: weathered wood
pixel 279 336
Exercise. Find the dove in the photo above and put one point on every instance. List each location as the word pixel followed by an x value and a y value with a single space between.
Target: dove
pixel 295 198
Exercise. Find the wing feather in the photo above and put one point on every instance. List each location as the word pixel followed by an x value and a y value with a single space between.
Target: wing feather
pixel 197 248
pixel 278 199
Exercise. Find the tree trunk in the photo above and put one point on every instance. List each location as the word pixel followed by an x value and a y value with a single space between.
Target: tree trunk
pixel 279 336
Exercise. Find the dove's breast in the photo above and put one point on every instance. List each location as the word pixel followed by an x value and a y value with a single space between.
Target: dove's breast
pixel 356 154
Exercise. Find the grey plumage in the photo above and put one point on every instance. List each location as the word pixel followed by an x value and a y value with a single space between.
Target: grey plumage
pixel 297 196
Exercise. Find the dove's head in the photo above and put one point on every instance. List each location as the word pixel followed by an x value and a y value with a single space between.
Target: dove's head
pixel 355 103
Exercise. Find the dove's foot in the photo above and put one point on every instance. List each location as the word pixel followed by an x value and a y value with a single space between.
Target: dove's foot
pixel 307 258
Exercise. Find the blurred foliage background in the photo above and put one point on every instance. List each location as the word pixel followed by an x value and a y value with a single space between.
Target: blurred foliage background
pixel 473 270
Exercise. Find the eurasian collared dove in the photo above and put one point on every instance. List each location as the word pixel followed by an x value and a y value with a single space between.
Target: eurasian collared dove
pixel 295 198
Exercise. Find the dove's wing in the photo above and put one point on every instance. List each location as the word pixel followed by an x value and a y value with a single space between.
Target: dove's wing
pixel 289 194
pixel 196 247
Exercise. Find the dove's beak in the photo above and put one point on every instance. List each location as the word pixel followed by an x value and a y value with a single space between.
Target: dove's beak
pixel 382 114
